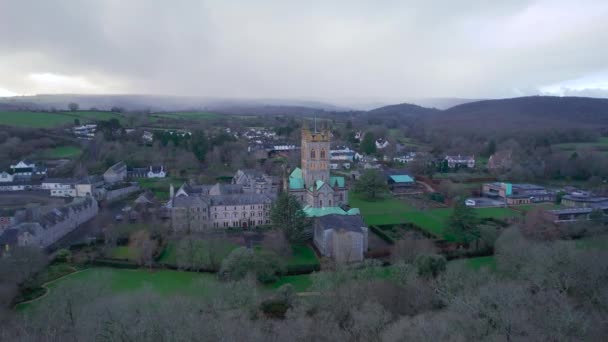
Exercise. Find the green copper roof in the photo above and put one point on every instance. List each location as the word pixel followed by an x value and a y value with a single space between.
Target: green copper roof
pixel 295 179
pixel 319 184
pixel 333 180
pixel 402 179
pixel 317 212
pixel 296 173
pixel 296 183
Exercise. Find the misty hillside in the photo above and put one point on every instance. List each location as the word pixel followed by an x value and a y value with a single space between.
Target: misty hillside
pixel 546 109
pixel 403 110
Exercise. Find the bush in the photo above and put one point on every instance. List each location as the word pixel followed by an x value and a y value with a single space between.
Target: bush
pixel 63 255
pixel 275 308
pixel 242 261
pixel 382 234
pixel 430 265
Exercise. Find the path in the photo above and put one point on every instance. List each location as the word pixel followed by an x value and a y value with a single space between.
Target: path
pixel 426 186
pixel 48 290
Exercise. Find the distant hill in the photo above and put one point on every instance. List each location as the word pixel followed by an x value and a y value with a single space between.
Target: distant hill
pixel 441 102
pixel 403 110
pixel 547 110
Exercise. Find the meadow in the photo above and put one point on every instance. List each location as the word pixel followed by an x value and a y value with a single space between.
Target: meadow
pixel 600 145
pixel 187 116
pixel 61 152
pixel 51 120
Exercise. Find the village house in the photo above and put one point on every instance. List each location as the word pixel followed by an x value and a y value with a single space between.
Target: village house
pixel 341 237
pixel 406 158
pixel 6 177
pixel 85 132
pixel 28 170
pixel 341 158
pixel 116 173
pixel 147 137
pixel 67 187
pixel 382 143
pixel 147 172
pixel 460 161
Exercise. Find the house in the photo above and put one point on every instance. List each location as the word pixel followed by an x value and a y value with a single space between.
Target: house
pixel 116 173
pixel 406 158
pixel 27 170
pixel 256 181
pixel 20 185
pixel 381 143
pixel 515 194
pixel 147 172
pixel 85 132
pixel 147 137
pixel 343 238
pixel 501 160
pixel 460 161
pixel 67 187
pixel 6 177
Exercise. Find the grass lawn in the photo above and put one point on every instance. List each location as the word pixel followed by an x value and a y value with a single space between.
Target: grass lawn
pixel 302 255
pixel 124 252
pixel 600 145
pixel 301 283
pixel 387 210
pixel 599 242
pixel 169 254
pixel 62 152
pixel 88 116
pixel 160 186
pixel 488 262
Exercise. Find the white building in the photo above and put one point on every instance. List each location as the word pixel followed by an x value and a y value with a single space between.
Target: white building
pixel 460 161
pixel 26 169
pixel 6 177
pixel 381 143
pixel 67 187
pixel 341 237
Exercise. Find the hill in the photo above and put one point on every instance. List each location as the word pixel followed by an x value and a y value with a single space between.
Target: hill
pixel 548 110
pixel 403 110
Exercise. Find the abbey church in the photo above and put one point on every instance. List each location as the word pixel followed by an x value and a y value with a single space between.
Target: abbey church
pixel 312 184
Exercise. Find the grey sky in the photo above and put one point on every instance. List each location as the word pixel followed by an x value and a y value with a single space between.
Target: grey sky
pixel 387 50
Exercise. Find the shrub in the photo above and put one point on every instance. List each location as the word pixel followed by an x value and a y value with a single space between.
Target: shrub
pixel 430 265
pixel 264 264
pixel 63 255
pixel 382 234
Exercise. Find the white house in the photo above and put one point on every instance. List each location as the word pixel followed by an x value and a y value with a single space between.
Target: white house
pixel 67 187
pixel 381 143
pixel 6 177
pixel 157 172
pixel 460 160
pixel 147 137
pixel 406 158
pixel 26 169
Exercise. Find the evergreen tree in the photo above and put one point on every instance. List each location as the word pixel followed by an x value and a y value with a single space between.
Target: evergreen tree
pixel 288 216
pixel 491 148
pixel 368 145
pixel 371 184
pixel 463 223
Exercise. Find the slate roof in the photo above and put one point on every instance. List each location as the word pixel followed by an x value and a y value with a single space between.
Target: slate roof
pixel 240 199
pixel 318 212
pixel 352 223
pixel 189 201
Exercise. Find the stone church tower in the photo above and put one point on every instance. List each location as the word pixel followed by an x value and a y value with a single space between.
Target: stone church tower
pixel 315 155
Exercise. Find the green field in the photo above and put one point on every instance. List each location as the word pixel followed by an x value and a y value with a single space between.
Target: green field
pixel 488 262
pixel 300 283
pixel 50 120
pixel 160 186
pixel 393 211
pixel 60 152
pixel 169 254
pixel 187 116
pixel 302 255
pixel 600 145
pixel 599 243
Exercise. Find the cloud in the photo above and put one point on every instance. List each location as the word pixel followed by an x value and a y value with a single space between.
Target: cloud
pixel 314 49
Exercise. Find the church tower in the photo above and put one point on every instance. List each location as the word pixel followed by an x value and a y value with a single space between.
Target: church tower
pixel 315 155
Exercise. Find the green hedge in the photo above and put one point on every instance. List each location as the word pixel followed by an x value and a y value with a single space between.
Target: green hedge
pixel 302 269
pixel 382 234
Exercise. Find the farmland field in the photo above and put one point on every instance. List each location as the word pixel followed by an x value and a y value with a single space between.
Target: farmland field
pixel 51 120
pixel 61 152
pixel 600 145
pixel 188 116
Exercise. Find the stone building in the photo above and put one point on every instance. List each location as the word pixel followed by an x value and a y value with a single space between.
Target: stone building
pixel 256 181
pixel 116 173
pixel 341 237
pixel 52 226
pixel 312 184
pixel 221 206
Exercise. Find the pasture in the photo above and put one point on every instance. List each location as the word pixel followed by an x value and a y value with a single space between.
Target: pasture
pixel 61 152
pixel 600 145
pixel 189 116
pixel 28 119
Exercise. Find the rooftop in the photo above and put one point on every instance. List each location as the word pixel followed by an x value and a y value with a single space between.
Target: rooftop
pixel 352 223
pixel 318 212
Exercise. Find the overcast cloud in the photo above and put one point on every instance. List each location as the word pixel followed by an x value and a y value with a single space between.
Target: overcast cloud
pixel 386 50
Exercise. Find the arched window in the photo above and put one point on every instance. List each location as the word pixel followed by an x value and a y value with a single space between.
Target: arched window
pixel 322 154
pixel 312 154
pixel 321 203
